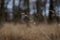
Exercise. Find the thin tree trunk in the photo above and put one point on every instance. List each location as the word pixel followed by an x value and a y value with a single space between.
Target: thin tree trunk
pixel 13 10
pixel 19 12
pixel 2 11
pixel 6 13
pixel 51 8
pixel 39 10
pixel 27 5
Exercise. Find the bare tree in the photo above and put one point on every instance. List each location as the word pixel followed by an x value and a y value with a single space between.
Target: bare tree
pixel 2 11
pixel 6 12
pixel 14 15
pixel 51 8
pixel 26 3
pixel 38 15
pixel 19 12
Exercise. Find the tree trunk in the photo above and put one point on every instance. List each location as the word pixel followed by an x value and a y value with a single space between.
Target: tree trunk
pixel 39 10
pixel 6 12
pixel 2 11
pixel 19 12
pixel 51 8
pixel 26 2
pixel 14 16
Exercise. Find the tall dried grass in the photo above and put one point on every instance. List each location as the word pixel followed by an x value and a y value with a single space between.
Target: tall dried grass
pixel 21 32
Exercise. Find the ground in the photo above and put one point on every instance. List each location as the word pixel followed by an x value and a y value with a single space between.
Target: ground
pixel 35 32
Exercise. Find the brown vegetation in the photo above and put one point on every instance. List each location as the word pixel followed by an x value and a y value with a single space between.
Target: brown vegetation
pixel 22 32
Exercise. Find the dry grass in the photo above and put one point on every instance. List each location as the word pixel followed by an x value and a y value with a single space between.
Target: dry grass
pixel 22 32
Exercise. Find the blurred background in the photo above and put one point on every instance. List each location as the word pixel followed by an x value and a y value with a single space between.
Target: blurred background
pixel 29 11
pixel 29 19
